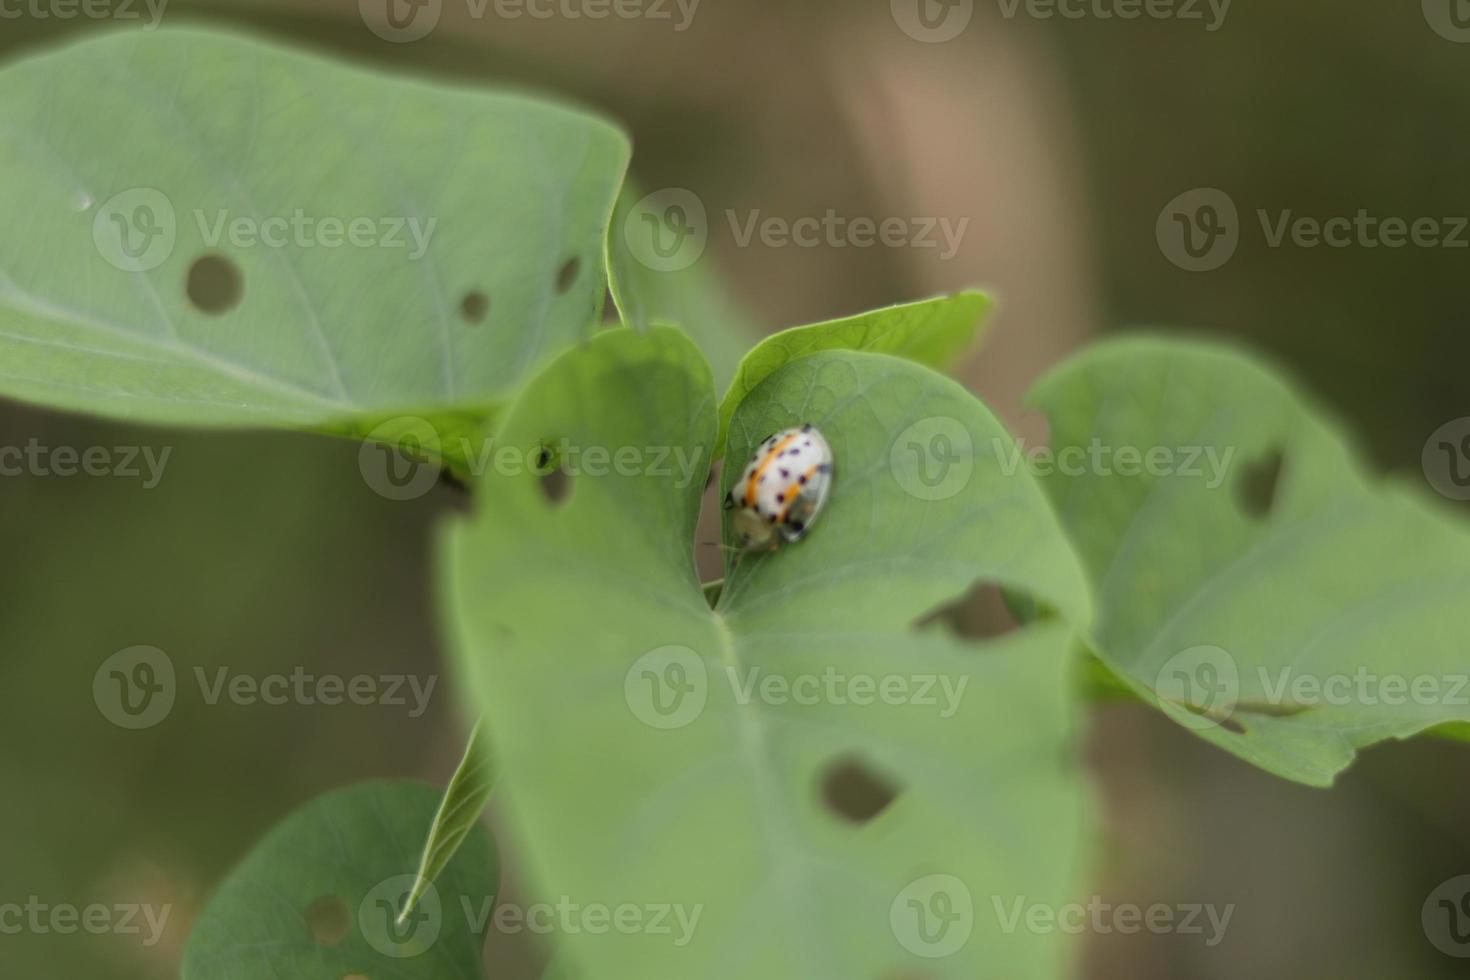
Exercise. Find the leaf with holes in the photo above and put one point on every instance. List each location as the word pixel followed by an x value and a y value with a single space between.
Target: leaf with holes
pixel 319 897
pixel 932 332
pixel 274 238
pixel 801 781
pixel 658 273
pixel 1251 579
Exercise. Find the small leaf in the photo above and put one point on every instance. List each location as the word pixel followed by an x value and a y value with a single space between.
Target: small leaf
pixel 781 836
pixel 932 332
pixel 274 238
pixel 459 813
pixel 1252 580
pixel 319 897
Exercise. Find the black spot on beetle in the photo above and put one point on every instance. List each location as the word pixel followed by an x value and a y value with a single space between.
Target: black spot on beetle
pixel 802 479
pixel 785 474
pixel 780 498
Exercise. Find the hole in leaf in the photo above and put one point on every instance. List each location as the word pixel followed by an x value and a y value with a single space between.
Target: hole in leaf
pixel 854 792
pixel 984 612
pixel 215 284
pixel 555 482
pixel 474 306
pixel 328 920
pixel 1258 483
pixel 567 275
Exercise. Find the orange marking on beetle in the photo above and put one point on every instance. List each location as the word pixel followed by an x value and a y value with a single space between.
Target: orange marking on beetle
pixel 760 470
pixel 796 490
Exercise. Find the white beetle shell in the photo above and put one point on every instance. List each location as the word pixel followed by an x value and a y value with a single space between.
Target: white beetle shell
pixel 782 489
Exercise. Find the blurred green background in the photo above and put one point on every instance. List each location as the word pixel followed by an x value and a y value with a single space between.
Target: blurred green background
pixel 1060 141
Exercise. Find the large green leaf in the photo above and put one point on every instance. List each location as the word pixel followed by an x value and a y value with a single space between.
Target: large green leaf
pixel 760 819
pixel 319 897
pixel 1278 622
pixel 932 331
pixel 189 143
pixel 658 272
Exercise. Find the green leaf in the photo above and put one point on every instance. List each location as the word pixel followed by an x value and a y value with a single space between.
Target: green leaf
pixel 459 813
pixel 658 273
pixel 761 824
pixel 1246 607
pixel 319 897
pixel 932 332
pixel 476 256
